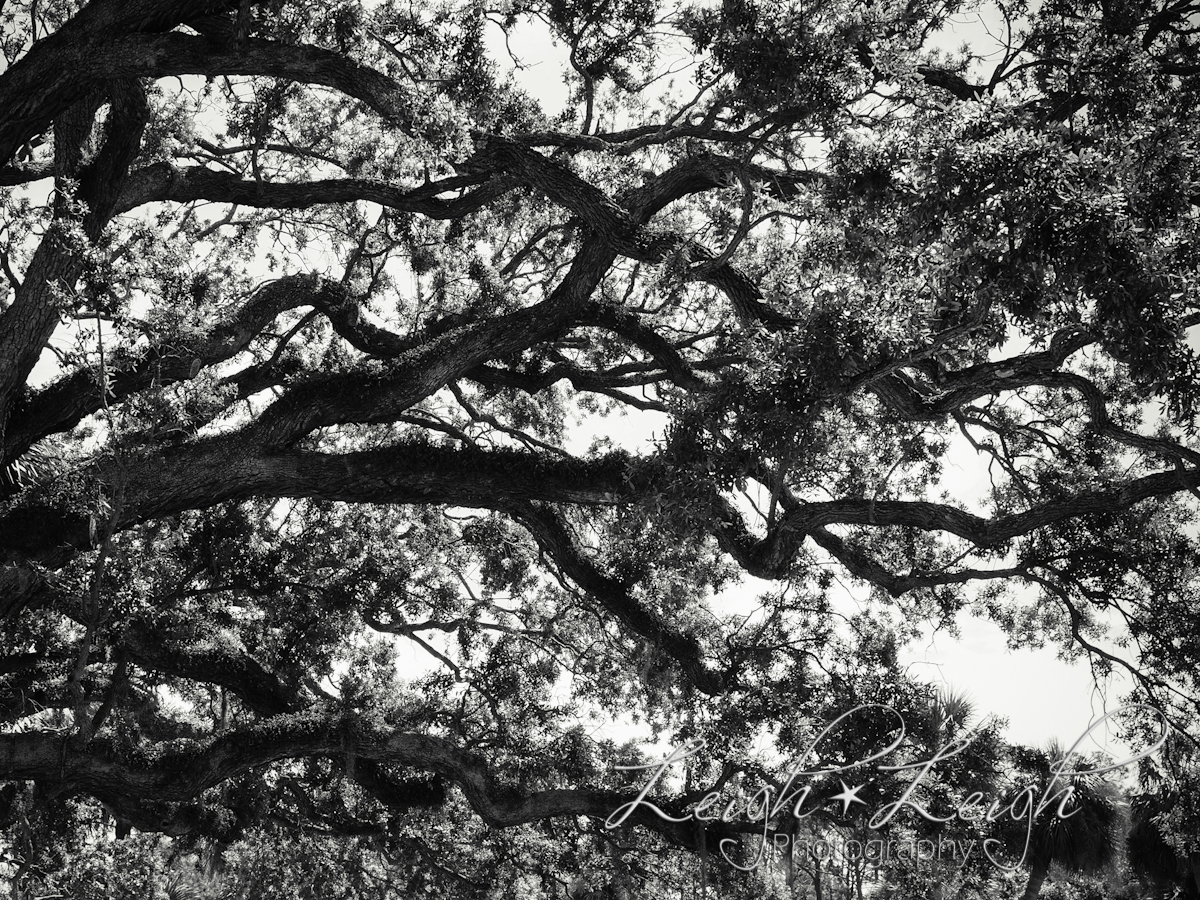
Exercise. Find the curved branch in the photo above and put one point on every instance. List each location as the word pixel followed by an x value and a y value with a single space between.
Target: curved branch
pixel 870 570
pixel 987 532
pixel 372 397
pixel 628 325
pixel 28 99
pixel 957 389
pixel 143 792
pixel 62 404
pixel 711 170
pixel 261 690
pixel 743 229
pixel 621 229
pixel 552 535
pixel 164 181
pixel 26 326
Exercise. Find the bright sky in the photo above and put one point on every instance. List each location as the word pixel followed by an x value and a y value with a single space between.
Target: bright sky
pixel 1042 696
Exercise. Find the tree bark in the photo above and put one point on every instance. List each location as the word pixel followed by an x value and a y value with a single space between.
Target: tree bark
pixel 144 792
pixel 1037 876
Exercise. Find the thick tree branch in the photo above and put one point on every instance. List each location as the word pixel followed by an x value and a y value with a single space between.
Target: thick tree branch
pixel 23 173
pixel 61 405
pixel 553 536
pixel 707 171
pixel 261 690
pixel 143 792
pixel 206 473
pixel 28 99
pixel 618 227
pixel 982 532
pixel 166 182
pixel 373 397
pixel 28 323
pixel 47 82
pixel 862 565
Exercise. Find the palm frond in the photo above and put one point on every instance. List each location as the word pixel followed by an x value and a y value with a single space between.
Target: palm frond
pixel 39 464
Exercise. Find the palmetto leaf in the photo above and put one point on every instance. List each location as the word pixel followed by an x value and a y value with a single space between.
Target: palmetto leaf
pixel 37 465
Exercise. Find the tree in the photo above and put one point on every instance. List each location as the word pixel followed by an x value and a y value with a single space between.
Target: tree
pixel 1155 861
pixel 309 304
pixel 1162 842
pixel 1082 831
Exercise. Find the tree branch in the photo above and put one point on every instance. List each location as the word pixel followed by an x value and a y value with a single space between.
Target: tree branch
pixel 144 793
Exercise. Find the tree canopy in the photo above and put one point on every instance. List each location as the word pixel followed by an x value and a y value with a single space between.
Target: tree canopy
pixel 369 432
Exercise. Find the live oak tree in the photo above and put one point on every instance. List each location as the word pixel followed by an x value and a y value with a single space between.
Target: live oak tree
pixel 310 311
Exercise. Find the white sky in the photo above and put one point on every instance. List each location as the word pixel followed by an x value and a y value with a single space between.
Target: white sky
pixel 1041 696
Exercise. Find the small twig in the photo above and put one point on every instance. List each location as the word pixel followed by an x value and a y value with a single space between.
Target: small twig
pixel 785 464
pixel 526 439
pixel 740 235
pixel 286 339
pixel 216 226
pixel 83 723
pixel 119 678
pixel 8 272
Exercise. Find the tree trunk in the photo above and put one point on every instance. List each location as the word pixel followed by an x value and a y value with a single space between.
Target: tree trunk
pixel 1037 875
pixel 789 863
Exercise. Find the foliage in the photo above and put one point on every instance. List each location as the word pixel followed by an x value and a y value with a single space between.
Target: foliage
pixel 391 462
